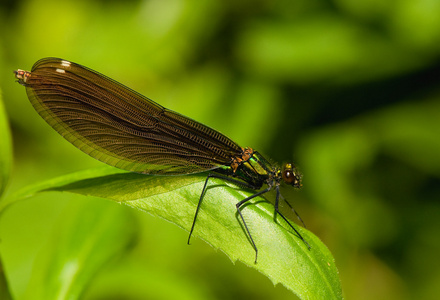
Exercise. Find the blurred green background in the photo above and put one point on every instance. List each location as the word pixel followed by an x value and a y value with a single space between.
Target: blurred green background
pixel 347 89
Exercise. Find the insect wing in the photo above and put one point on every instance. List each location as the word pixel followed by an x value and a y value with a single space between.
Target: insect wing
pixel 119 126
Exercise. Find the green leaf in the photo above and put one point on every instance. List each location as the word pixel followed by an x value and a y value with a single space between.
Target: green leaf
pixel 84 239
pixel 282 256
pixel 5 148
pixel 4 289
pixel 5 169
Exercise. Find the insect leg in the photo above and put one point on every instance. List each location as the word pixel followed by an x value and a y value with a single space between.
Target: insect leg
pixel 277 199
pixel 235 181
pixel 238 205
pixel 198 207
pixel 296 213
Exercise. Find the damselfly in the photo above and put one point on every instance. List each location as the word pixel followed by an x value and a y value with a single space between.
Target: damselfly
pixel 124 129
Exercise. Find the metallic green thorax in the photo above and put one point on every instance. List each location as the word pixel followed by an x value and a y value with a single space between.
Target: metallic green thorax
pixel 255 171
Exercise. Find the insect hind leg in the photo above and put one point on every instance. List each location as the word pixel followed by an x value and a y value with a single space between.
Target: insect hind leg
pixel 238 205
pixel 205 186
pixel 198 207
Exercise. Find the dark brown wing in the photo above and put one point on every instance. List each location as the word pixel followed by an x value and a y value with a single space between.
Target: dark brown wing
pixel 120 127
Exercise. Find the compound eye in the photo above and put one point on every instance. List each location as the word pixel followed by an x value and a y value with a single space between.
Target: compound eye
pixel 291 176
pixel 288 176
